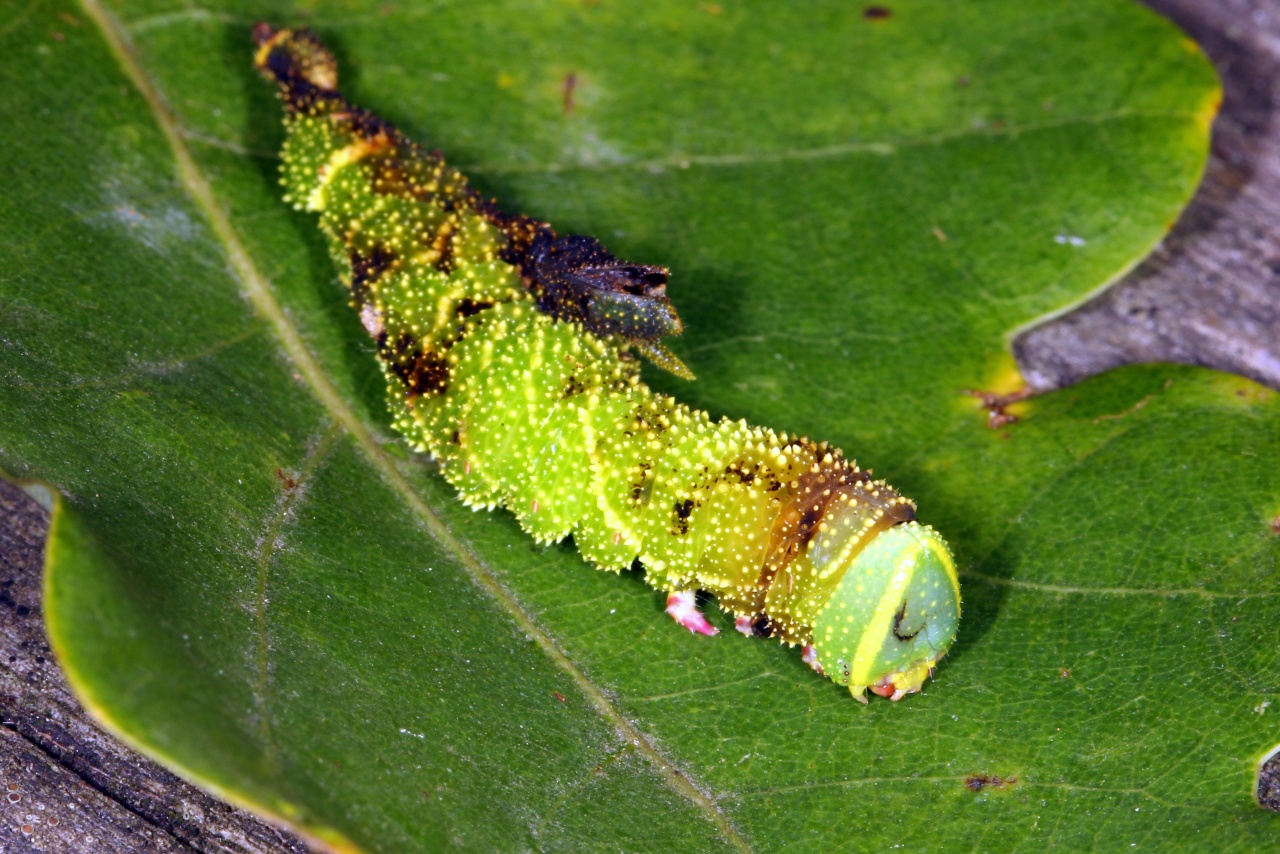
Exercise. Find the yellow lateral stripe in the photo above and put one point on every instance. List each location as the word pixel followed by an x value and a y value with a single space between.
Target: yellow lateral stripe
pixel 951 570
pixel 873 637
pixel 353 153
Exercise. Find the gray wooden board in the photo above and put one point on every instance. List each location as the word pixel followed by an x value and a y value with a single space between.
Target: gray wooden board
pixel 65 785
pixel 1210 295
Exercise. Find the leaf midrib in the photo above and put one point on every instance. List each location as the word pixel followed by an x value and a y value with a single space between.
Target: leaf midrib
pixel 259 292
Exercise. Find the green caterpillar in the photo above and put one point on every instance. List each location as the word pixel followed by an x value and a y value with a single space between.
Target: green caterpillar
pixel 509 355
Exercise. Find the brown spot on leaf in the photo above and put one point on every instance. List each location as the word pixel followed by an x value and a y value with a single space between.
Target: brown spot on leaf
pixel 877 13
pixel 997 405
pixel 286 480
pixel 570 84
pixel 1275 525
pixel 558 696
pixel 979 782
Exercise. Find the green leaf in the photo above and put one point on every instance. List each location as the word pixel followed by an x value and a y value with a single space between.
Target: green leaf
pixel 252 580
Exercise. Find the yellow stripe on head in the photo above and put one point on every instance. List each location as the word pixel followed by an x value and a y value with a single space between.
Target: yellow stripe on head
pixel 872 639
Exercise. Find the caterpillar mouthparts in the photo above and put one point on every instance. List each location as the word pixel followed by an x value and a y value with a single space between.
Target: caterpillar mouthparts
pixel 508 354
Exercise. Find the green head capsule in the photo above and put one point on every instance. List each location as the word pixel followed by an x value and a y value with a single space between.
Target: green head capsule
pixel 893 615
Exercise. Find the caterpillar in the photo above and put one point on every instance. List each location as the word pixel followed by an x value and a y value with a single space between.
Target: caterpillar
pixel 510 355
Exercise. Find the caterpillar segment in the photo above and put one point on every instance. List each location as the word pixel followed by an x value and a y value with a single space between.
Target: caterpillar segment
pixel 509 354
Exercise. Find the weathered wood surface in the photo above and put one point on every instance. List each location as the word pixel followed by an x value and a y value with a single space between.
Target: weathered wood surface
pixel 65 785
pixel 1209 296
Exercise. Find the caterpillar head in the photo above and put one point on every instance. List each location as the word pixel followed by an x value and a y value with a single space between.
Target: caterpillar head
pixel 893 615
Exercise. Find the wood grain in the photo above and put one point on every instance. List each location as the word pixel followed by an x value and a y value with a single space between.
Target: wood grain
pixel 65 784
pixel 1210 295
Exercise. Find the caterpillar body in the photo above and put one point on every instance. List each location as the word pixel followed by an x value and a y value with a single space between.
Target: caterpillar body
pixel 509 354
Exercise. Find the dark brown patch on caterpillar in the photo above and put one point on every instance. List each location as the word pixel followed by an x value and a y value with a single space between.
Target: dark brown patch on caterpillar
pixel 423 373
pixel 834 483
pixel 420 372
pixel 815 494
pixel 736 472
pixel 572 386
pixel 367 268
pixel 307 74
pixel 369 126
pixel 640 491
pixel 762 627
pixel 304 68
pixel 470 308
pixel 405 177
pixel 682 510
pixel 520 231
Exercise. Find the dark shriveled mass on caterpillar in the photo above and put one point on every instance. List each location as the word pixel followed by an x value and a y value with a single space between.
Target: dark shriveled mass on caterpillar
pixel 508 352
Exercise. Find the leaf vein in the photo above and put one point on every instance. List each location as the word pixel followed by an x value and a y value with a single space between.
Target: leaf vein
pixel 260 294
